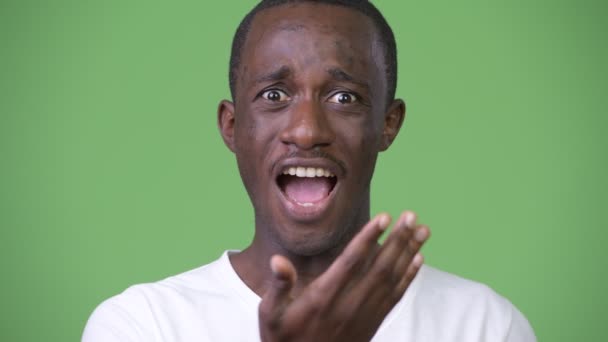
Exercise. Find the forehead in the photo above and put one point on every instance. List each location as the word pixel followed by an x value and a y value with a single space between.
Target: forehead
pixel 307 15
pixel 311 33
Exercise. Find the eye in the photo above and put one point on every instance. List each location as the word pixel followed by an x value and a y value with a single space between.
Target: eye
pixel 275 95
pixel 343 98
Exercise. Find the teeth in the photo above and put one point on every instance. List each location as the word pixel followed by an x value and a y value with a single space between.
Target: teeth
pixel 310 172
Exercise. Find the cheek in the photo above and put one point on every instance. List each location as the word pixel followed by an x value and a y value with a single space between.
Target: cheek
pixel 369 145
pixel 362 137
pixel 246 131
pixel 253 141
pixel 246 149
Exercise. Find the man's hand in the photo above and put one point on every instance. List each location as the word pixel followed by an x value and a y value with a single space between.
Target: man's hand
pixel 350 300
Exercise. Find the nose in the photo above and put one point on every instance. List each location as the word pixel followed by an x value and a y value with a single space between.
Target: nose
pixel 308 126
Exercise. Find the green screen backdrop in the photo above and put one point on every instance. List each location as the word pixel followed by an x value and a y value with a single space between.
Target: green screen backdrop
pixel 112 171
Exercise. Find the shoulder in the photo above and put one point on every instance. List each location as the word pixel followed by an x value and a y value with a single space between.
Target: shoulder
pixel 133 314
pixel 450 295
pixel 441 285
pixel 473 307
pixel 208 279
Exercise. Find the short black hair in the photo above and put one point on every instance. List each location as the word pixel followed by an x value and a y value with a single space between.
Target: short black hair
pixel 387 37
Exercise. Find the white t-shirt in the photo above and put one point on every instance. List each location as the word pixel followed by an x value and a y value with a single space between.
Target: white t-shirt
pixel 211 303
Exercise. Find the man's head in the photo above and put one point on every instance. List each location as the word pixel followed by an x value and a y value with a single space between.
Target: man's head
pixel 310 115
pixel 385 36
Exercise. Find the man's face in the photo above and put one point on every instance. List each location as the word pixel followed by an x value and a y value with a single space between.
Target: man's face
pixel 309 118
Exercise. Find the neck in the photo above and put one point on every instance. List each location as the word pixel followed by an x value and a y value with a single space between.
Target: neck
pixel 253 264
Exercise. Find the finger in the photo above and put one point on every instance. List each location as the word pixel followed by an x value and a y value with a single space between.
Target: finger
pixel 410 274
pixel 356 253
pixel 386 300
pixel 278 295
pixel 420 233
pixel 396 249
pixel 326 289
pixel 407 268
pixel 382 278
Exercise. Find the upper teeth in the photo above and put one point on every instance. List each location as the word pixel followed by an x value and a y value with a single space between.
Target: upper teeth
pixel 308 172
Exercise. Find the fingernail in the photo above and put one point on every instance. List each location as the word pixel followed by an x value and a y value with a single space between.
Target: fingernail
pixel 418 260
pixel 410 219
pixel 421 234
pixel 383 221
pixel 273 266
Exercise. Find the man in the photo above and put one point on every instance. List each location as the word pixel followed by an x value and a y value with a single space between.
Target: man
pixel 313 85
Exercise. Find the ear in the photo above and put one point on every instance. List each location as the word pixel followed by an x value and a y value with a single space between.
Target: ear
pixel 225 122
pixel 392 123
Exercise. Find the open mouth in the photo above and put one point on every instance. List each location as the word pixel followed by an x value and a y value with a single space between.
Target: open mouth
pixel 306 186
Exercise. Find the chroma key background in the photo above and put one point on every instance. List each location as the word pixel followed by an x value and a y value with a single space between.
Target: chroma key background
pixel 112 171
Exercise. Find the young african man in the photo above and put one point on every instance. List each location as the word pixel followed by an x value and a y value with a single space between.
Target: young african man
pixel 313 85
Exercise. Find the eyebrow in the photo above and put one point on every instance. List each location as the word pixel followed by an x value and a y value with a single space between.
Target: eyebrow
pixel 281 73
pixel 341 75
pixel 284 72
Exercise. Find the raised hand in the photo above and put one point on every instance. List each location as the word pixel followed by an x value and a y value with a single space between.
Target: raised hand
pixel 350 300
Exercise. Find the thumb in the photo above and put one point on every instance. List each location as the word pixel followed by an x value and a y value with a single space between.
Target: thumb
pixel 278 295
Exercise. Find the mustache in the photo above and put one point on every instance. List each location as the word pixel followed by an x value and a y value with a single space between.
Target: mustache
pixel 315 153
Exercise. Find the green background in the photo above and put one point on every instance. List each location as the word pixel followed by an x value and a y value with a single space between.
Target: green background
pixel 112 171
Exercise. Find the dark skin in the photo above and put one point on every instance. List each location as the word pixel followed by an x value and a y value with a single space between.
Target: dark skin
pixel 312 92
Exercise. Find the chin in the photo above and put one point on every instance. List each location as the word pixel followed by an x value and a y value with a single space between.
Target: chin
pixel 309 248
pixel 308 243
